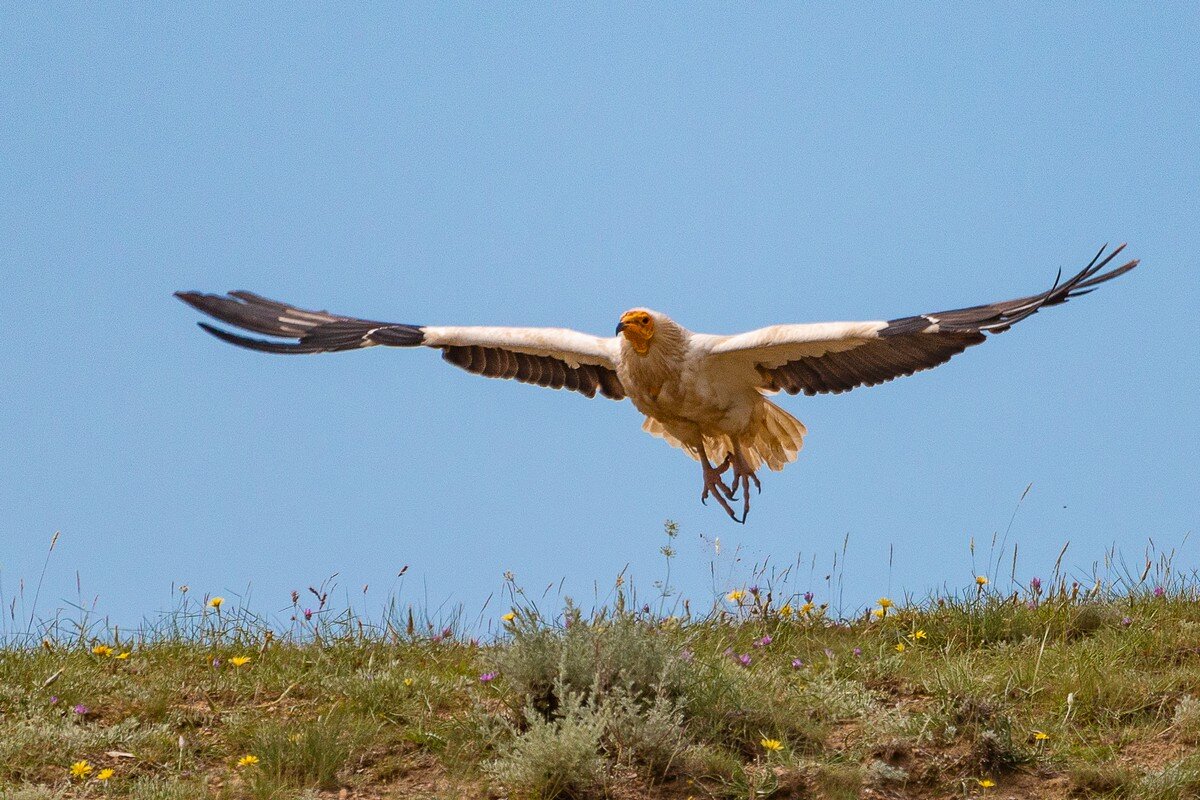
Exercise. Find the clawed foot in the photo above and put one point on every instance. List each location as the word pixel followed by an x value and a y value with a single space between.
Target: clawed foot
pixel 742 476
pixel 716 487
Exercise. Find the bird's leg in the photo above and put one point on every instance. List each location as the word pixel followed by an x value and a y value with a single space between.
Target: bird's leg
pixel 714 485
pixel 742 476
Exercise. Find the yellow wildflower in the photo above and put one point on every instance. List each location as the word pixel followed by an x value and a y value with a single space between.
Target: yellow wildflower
pixel 1041 736
pixel 878 612
pixel 122 656
pixel 917 635
pixel 105 774
pixel 509 617
pixel 239 661
pixel 216 602
pixel 785 611
pixel 981 580
pixel 806 608
pixel 772 745
pixel 81 769
pixel 735 596
pixel 900 647
pixel 247 760
pixel 408 681
pixel 986 783
pixel 102 650
pixel 885 602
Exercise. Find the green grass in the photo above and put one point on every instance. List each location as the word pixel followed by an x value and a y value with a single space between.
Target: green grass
pixel 1066 692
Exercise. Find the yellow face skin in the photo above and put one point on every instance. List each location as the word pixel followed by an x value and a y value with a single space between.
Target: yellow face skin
pixel 638 329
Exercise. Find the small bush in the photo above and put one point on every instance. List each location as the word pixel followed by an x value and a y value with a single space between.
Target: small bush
pixel 652 736
pixel 559 757
pixel 590 658
pixel 1186 721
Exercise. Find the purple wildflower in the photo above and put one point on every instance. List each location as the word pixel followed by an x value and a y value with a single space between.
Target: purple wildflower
pixel 686 655
pixel 1127 621
pixel 808 597
pixel 797 664
pixel 216 662
pixel 487 677
pixel 1030 605
pixel 1159 591
pixel 744 659
pixel 81 710
pixel 764 641
pixel 1035 583
pixel 308 612
pixel 754 590
pixel 857 651
pixel 53 699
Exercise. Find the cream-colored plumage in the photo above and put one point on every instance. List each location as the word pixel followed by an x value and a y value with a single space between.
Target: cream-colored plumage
pixel 703 401
pixel 703 393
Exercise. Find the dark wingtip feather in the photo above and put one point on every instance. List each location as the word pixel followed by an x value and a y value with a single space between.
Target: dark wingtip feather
pixel 1108 276
pixel 193 299
pixel 317 331
pixel 261 345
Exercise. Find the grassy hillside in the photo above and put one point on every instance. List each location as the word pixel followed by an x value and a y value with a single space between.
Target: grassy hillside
pixel 1049 691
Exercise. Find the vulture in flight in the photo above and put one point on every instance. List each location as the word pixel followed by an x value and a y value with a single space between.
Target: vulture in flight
pixel 702 393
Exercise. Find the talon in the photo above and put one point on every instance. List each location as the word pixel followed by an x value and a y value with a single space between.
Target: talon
pixel 714 485
pixel 742 478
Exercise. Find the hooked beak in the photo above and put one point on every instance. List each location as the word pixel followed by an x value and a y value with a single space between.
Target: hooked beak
pixel 620 327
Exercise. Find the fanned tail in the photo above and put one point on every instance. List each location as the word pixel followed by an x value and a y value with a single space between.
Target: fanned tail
pixel 775 439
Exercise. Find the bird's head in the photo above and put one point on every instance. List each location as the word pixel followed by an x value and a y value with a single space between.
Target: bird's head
pixel 637 326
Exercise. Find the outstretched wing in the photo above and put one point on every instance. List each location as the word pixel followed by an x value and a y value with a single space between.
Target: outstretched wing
pixel 839 356
pixel 553 357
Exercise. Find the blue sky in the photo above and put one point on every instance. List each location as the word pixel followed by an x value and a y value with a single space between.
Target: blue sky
pixel 552 165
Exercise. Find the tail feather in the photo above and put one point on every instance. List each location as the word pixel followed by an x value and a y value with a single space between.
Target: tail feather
pixel 775 439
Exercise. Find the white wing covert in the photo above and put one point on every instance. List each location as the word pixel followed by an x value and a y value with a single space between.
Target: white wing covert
pixel 553 357
pixel 839 356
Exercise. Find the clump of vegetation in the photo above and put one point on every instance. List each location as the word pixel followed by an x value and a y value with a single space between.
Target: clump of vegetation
pixel 558 756
pixel 612 654
pixel 1186 721
pixel 1066 687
